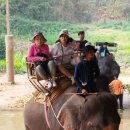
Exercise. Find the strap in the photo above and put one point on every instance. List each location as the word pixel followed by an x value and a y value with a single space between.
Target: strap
pixel 55 114
pixel 46 114
pixel 62 53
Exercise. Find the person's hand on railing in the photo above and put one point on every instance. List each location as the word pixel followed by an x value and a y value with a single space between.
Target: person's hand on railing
pixel 84 92
pixel 57 57
pixel 44 58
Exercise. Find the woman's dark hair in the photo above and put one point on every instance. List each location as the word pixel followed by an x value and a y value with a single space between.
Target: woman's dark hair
pixel 81 32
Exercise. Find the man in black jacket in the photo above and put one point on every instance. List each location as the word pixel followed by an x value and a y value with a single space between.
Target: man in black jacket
pixel 86 72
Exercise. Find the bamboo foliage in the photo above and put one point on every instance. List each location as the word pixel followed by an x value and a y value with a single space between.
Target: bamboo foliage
pixel 74 11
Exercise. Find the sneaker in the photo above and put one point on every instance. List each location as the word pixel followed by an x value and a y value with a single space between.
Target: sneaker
pixel 49 86
pixel 72 79
pixel 44 82
pixel 46 94
pixel 121 108
pixel 54 84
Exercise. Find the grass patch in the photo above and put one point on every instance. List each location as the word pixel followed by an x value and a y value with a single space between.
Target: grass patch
pixel 2 65
pixel 121 25
pixel 19 63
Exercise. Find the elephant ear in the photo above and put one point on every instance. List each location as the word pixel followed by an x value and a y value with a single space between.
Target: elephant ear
pixel 68 115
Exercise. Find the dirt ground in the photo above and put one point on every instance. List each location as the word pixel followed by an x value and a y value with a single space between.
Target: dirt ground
pixel 16 95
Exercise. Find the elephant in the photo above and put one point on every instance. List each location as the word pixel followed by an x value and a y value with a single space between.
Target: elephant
pixel 108 69
pixel 101 108
pixel 34 116
pixel 95 112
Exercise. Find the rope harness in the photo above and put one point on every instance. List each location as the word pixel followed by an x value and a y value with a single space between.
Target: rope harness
pixel 46 114
pixel 50 104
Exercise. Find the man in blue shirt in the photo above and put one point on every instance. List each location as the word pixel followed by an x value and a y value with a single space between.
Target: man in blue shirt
pixel 86 72
pixel 103 51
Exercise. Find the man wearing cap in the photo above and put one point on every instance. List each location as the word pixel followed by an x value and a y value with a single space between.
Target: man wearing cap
pixel 86 72
pixel 64 52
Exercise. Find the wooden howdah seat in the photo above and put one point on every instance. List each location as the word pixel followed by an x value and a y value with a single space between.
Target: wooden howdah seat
pixel 33 77
pixel 36 81
pixel 41 98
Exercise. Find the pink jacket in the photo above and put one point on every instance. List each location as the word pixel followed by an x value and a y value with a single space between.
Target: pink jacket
pixel 34 50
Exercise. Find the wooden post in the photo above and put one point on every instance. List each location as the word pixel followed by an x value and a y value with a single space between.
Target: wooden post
pixel 9 48
pixel 9 58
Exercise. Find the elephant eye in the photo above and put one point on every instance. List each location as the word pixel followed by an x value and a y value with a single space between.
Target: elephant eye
pixel 89 124
pixel 86 100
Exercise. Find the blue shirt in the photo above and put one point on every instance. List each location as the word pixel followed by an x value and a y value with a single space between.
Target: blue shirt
pixel 86 72
pixel 103 51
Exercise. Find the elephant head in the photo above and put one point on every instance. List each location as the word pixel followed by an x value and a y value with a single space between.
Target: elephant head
pixel 99 112
pixel 108 69
pixel 95 112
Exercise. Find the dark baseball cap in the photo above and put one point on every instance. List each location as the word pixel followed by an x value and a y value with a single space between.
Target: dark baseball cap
pixel 89 48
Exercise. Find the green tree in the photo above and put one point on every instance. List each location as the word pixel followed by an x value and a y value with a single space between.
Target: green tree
pixel 2 47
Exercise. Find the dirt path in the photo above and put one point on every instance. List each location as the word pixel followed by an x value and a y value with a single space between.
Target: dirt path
pixel 17 95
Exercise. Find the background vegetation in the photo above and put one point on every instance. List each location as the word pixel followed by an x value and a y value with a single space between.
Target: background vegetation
pixel 104 20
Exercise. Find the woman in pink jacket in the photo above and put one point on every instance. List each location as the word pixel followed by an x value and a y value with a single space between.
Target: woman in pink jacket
pixel 39 53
